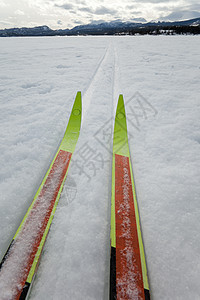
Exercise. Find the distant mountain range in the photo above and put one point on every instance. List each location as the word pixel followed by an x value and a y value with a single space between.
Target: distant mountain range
pixel 110 28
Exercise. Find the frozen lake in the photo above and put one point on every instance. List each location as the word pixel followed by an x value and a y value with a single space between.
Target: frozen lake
pixel 159 78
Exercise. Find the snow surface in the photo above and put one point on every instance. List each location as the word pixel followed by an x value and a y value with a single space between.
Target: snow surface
pixel 159 78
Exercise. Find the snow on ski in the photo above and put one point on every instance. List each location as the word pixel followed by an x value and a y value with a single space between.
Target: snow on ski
pixel 128 272
pixel 19 264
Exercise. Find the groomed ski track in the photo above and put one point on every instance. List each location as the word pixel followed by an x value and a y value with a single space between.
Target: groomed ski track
pixel 43 76
pixel 98 98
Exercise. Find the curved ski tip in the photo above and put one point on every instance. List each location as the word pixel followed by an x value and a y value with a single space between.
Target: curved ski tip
pixel 121 99
pixel 120 103
pixel 78 100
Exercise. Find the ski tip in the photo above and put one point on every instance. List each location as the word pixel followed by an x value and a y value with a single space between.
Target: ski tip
pixel 120 137
pixel 77 107
pixel 78 100
pixel 120 112
pixel 73 128
pixel 120 105
pixel 121 98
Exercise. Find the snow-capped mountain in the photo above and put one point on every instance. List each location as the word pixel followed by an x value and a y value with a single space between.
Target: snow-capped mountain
pixel 100 28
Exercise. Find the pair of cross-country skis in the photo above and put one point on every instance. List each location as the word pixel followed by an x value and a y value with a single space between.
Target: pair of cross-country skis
pixel 128 272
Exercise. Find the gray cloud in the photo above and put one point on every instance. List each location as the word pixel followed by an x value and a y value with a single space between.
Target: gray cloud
pixel 181 15
pixel 86 9
pixel 193 7
pixel 131 6
pixel 184 8
pixel 152 1
pixel 163 8
pixel 77 22
pixel 43 11
pixel 80 2
pixel 136 12
pixel 102 10
pixel 66 6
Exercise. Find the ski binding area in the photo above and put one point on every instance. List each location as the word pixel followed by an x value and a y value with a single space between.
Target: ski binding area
pixel 155 152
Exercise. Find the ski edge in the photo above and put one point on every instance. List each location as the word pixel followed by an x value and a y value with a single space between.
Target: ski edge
pixel 124 151
pixel 76 111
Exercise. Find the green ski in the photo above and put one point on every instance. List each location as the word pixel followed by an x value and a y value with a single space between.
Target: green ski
pixel 128 272
pixel 20 262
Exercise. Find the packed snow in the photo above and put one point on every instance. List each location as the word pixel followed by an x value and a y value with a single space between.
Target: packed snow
pixel 159 78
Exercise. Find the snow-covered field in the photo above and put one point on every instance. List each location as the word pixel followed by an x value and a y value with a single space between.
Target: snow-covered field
pixel 159 78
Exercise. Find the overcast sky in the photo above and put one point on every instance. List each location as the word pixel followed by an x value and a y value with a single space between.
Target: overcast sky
pixel 69 13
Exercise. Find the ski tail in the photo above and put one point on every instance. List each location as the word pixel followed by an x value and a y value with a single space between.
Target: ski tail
pixel 128 271
pixel 24 252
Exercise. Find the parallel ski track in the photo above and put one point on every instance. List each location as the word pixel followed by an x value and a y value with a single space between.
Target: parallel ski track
pixel 116 83
pixel 96 70
pixel 90 89
pixel 88 94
